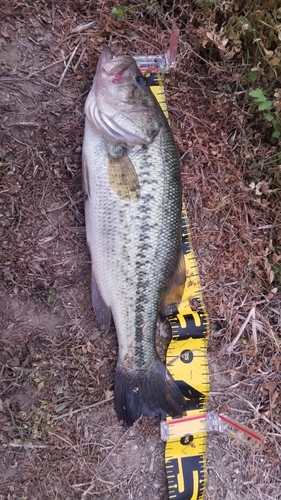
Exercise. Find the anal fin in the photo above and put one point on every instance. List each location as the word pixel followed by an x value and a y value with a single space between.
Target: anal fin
pixel 102 311
pixel 85 178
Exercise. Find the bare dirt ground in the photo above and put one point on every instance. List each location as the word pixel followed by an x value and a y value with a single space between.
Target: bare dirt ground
pixel 59 436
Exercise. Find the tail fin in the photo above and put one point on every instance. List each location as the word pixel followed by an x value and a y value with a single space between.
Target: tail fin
pixel 151 392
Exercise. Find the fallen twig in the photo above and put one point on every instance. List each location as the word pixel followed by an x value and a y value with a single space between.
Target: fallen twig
pixel 235 340
pixel 68 64
pixel 72 412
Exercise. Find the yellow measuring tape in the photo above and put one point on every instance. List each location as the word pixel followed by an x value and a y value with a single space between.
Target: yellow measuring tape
pixel 186 359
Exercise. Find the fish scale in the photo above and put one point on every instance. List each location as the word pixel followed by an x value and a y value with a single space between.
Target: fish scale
pixel 139 230
pixel 133 225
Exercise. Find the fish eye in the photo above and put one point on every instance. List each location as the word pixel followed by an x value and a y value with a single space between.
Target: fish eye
pixel 142 81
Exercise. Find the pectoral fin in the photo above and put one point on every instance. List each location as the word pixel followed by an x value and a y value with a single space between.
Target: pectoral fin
pixel 175 290
pixel 102 311
pixel 123 178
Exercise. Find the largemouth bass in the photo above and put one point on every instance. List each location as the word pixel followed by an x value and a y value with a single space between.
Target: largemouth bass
pixel 131 178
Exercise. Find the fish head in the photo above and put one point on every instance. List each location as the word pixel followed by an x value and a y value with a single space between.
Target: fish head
pixel 120 105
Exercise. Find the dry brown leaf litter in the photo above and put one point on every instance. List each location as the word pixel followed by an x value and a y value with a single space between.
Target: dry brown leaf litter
pixel 55 360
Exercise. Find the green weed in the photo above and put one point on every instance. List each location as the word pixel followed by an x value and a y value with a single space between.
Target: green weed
pixel 266 106
pixel 277 273
pixel 51 297
pixel 119 12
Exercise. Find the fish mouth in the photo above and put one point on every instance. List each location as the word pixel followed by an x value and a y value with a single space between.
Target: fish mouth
pixel 113 66
pixel 105 57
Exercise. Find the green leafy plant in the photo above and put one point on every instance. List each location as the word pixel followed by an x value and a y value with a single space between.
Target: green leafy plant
pixel 119 12
pixel 277 273
pixel 265 105
pixel 51 297
pixel 242 30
